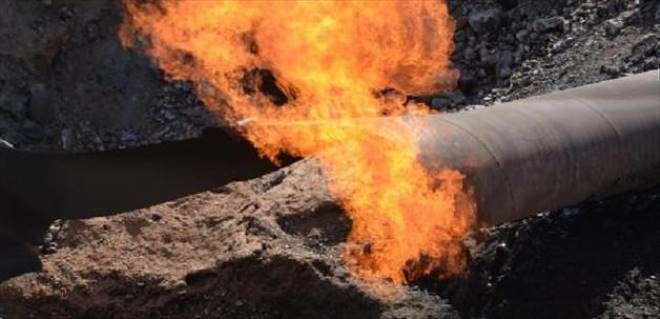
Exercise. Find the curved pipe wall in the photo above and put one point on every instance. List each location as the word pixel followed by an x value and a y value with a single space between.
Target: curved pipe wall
pixel 554 150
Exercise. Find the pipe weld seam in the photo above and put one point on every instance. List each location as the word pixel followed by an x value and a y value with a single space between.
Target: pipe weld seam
pixel 617 133
pixel 484 145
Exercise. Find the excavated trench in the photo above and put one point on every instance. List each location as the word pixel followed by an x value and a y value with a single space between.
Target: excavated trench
pixel 271 247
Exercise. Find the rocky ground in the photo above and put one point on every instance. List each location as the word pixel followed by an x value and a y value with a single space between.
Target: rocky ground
pixel 270 248
pixel 66 82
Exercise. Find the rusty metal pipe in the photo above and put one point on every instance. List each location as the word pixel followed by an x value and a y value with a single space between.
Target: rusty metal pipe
pixel 36 188
pixel 551 151
pixel 522 157
pixel 540 153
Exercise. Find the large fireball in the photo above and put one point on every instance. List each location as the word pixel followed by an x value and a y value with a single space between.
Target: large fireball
pixel 304 73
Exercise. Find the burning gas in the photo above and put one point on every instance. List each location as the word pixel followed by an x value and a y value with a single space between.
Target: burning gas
pixel 302 72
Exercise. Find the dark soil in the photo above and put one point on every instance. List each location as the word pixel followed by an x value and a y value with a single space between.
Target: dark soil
pixel 271 247
pixel 67 83
pixel 597 259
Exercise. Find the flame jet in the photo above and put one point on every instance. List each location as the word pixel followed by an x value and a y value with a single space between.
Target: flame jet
pixel 315 78
pixel 520 158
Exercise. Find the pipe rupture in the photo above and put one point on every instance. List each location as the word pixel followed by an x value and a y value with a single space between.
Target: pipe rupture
pixel 522 157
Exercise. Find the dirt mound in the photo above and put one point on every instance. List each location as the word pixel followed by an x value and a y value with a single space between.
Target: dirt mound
pixel 267 248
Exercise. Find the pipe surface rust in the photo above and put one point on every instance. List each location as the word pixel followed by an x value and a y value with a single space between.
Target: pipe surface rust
pixel 551 151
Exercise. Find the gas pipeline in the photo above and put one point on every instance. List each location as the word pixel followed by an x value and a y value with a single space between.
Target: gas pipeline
pixel 551 151
pixel 520 158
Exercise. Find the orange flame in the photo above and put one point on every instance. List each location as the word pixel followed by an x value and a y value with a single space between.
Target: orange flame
pixel 302 72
